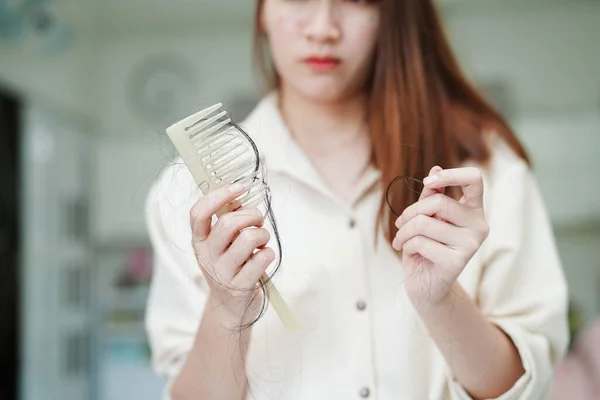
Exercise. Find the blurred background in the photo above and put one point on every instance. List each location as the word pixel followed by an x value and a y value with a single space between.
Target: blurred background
pixel 86 90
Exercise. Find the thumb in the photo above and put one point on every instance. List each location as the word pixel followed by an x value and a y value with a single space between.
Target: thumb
pixel 427 192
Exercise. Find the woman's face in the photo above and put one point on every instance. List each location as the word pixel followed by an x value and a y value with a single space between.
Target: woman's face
pixel 322 49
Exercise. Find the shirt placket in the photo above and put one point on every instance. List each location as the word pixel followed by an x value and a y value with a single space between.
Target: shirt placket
pixel 363 383
pixel 355 293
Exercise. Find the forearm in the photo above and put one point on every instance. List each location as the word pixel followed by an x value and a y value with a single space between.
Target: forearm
pixel 481 357
pixel 215 366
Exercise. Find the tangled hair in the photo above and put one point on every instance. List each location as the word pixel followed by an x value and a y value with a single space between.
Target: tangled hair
pixel 270 216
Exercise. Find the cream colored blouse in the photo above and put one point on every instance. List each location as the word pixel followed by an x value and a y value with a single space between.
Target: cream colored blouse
pixel 360 337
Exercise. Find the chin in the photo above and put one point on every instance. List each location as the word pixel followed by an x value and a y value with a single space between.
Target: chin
pixel 322 91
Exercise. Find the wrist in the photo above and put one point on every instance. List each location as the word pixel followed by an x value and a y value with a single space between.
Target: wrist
pixel 427 304
pixel 229 313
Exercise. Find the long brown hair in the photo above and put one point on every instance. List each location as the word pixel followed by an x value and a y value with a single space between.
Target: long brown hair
pixel 422 110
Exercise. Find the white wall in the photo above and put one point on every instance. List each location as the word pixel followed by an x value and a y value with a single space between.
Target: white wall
pixel 133 150
pixel 549 58
pixel 550 54
pixel 564 149
pixel 222 66
pixel 59 79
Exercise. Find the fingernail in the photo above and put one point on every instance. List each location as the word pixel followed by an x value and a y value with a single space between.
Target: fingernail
pixel 236 188
pixel 430 179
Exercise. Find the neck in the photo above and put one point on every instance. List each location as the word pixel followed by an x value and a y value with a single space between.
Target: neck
pixel 322 127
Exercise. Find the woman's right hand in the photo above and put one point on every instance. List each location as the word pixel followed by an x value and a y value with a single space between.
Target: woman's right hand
pixel 226 253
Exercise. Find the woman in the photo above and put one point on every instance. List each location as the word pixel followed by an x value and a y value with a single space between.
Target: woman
pixel 461 296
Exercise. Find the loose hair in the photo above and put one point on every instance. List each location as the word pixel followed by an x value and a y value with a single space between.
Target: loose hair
pixel 422 110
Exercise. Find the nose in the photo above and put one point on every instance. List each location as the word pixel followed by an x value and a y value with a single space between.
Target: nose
pixel 323 25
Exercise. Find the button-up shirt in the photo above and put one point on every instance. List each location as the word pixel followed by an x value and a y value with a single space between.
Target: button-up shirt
pixel 359 335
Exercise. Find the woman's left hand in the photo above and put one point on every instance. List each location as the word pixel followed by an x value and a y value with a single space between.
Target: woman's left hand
pixel 439 235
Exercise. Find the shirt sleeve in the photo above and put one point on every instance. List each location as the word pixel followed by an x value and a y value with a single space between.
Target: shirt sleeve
pixel 522 288
pixel 177 291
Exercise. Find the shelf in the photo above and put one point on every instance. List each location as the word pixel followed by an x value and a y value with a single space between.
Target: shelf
pixel 124 330
pixel 125 299
pixel 120 244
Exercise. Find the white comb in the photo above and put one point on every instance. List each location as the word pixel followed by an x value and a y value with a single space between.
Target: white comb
pixel 218 154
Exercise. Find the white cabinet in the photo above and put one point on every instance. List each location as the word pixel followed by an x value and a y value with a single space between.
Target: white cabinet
pixel 57 327
pixel 123 355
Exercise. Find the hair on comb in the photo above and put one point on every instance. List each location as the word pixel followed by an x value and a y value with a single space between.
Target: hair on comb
pixel 217 153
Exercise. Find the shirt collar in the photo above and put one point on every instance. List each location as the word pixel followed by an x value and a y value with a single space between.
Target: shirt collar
pixel 281 153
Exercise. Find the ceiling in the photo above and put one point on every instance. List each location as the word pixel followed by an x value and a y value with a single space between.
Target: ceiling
pixel 111 17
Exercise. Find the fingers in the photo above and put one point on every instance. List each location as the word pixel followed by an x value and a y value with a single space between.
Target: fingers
pixel 470 179
pixel 242 248
pixel 428 191
pixel 202 212
pixel 229 225
pixel 254 268
pixel 428 248
pixel 438 205
pixel 432 228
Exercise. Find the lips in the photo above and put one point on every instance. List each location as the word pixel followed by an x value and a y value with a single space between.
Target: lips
pixel 322 63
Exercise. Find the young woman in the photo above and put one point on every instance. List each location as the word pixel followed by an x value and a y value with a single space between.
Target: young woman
pixel 462 296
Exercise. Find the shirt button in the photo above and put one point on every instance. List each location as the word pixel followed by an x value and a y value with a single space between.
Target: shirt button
pixel 364 392
pixel 352 223
pixel 361 305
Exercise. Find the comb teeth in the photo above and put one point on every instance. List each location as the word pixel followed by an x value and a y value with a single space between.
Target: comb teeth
pixel 225 153
pixel 189 122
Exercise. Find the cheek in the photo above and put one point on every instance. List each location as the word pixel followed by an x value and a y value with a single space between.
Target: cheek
pixel 285 33
pixel 362 46
pixel 364 33
pixel 287 25
pixel 282 38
